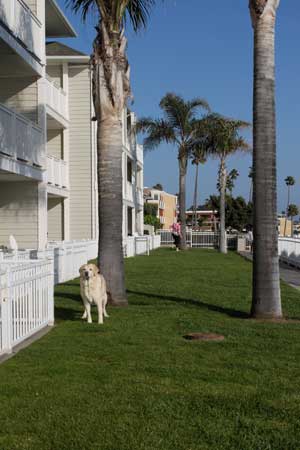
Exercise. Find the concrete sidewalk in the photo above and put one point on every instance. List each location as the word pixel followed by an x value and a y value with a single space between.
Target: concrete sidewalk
pixel 289 274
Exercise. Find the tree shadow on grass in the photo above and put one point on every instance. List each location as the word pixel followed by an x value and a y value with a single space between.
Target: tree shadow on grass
pixel 190 301
pixel 62 314
pixel 69 296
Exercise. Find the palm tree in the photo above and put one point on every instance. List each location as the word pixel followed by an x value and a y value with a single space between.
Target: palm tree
pixel 197 158
pixel 250 175
pixel 292 212
pixel 266 299
pixel 225 140
pixel 179 126
pixel 111 90
pixel 289 181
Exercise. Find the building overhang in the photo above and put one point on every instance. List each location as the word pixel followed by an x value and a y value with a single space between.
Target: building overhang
pixel 57 24
pixel 68 59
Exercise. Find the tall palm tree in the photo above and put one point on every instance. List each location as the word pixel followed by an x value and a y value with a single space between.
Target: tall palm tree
pixel 289 181
pixel 225 141
pixel 111 90
pixel 198 157
pixel 266 298
pixel 179 126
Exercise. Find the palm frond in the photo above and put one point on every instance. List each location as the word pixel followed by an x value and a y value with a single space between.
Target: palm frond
pixel 156 131
pixel 83 6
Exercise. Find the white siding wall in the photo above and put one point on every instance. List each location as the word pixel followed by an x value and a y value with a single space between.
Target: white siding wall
pixel 55 219
pixel 55 72
pixel 32 5
pixel 54 143
pixel 80 157
pixel 19 213
pixel 21 95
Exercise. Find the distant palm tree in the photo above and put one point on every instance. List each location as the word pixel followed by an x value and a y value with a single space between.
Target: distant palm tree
pixel 289 181
pixel 179 126
pixel 292 212
pixel 225 141
pixel 111 90
pixel 198 157
pixel 250 175
pixel 266 299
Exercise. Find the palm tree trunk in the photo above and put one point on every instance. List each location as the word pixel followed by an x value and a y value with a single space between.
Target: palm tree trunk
pixel 110 251
pixel 287 211
pixel 182 199
pixel 195 196
pixel 110 91
pixel 222 175
pixel 266 300
pixel 251 192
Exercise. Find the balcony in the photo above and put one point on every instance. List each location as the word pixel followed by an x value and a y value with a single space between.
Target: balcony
pixel 24 25
pixel 57 173
pixel 140 196
pixel 57 105
pixel 140 154
pixel 129 192
pixel 21 141
pixel 161 205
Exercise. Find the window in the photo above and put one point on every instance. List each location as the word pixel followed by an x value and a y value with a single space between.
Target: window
pixel 129 170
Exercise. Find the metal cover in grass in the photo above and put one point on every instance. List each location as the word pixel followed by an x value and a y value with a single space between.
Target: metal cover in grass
pixel 204 337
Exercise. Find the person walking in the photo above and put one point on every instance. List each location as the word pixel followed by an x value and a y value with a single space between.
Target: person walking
pixel 176 233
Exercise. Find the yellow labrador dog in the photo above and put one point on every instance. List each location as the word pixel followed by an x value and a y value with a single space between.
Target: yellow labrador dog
pixel 93 290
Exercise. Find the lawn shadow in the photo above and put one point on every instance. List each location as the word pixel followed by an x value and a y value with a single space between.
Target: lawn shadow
pixel 62 314
pixel 200 304
pixel 68 296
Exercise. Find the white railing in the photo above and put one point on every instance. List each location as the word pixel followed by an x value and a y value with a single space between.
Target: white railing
pixel 140 245
pixel 56 98
pixel 289 251
pixel 199 239
pixel 23 24
pixel 140 196
pixel 140 153
pixel 68 256
pixel 26 300
pixel 57 172
pixel 129 192
pixel 20 138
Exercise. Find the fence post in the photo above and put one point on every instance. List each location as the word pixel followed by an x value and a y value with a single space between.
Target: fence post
pixel 6 316
pixel 51 294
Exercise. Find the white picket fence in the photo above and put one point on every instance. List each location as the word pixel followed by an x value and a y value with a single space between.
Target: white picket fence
pixel 140 245
pixel 26 300
pixel 199 239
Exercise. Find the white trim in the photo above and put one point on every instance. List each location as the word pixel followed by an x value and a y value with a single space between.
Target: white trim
pixel 64 19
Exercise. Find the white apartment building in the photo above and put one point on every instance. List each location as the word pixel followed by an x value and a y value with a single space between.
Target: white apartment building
pixel 48 178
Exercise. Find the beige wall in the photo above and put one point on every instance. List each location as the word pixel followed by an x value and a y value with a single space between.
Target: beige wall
pixel 80 155
pixel 19 213
pixel 169 211
pixel 55 143
pixel 21 95
pixel 55 72
pixel 55 219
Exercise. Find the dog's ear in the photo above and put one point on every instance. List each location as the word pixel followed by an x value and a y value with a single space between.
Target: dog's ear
pixel 81 268
pixel 95 269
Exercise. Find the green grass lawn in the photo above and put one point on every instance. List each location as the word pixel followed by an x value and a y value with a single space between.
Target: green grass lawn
pixel 136 384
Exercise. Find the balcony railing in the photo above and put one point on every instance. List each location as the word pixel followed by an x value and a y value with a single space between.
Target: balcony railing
pixel 20 138
pixel 140 154
pixel 23 24
pixel 140 196
pixel 129 192
pixel 161 204
pixel 57 172
pixel 56 98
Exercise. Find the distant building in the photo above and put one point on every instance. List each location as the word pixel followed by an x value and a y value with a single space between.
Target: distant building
pixel 207 219
pixel 281 220
pixel 166 206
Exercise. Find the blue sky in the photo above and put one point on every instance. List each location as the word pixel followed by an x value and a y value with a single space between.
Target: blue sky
pixel 205 50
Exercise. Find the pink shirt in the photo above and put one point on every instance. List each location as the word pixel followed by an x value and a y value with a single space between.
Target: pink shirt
pixel 176 228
